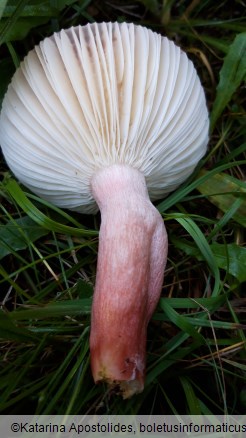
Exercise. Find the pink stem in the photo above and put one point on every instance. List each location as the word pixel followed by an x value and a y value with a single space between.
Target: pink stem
pixel 131 262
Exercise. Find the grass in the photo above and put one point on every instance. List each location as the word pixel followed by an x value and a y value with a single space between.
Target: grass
pixel 196 360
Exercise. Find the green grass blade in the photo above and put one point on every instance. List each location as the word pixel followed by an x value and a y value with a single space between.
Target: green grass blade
pixel 192 401
pixel 231 75
pixel 40 218
pixel 17 234
pixel 6 27
pixel 240 366
pixel 230 257
pixel 9 331
pixel 224 191
pixel 180 321
pixel 2 7
pixel 223 325
pixel 12 385
pixel 211 303
pixel 54 310
pixel 184 190
pixel 203 246
pixel 173 348
pixel 62 377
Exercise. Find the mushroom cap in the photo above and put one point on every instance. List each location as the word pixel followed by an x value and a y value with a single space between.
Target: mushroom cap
pixel 102 94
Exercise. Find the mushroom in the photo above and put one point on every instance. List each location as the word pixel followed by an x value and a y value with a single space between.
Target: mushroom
pixel 110 115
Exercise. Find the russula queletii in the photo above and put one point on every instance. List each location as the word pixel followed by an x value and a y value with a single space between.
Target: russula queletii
pixel 110 115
